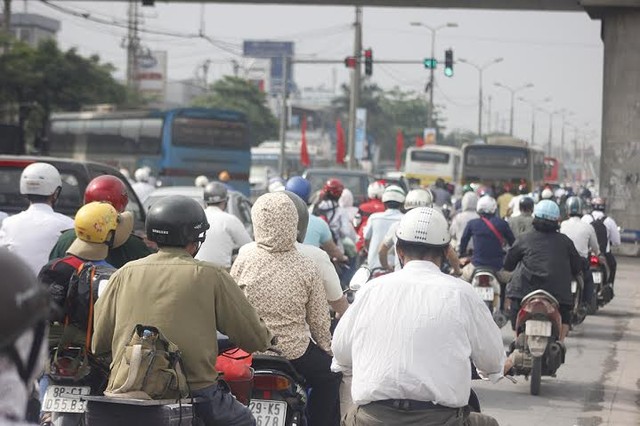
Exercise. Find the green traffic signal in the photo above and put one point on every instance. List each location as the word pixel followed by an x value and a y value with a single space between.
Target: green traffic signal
pixel 430 63
pixel 448 63
pixel 448 72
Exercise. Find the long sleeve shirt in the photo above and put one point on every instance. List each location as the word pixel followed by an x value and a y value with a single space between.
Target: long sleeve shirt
pixel 582 234
pixel 420 349
pixel 487 249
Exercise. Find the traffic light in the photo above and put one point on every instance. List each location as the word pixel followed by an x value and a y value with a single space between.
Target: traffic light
pixel 350 62
pixel 368 61
pixel 448 63
pixel 430 63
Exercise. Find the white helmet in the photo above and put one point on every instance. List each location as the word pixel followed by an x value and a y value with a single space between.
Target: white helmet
pixel 418 198
pixel 393 193
pixel 375 190
pixel 40 179
pixel 201 181
pixel 424 225
pixel 486 204
pixel 124 172
pixel 142 174
pixel 276 186
pixel 546 194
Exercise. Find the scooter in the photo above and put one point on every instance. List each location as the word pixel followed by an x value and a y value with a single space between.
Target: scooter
pixel 536 350
pixel 483 281
pixel 600 274
pixel 578 312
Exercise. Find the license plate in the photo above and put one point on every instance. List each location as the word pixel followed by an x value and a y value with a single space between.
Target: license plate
pixel 268 413
pixel 485 293
pixel 597 277
pixel 538 328
pixel 65 399
pixel 574 286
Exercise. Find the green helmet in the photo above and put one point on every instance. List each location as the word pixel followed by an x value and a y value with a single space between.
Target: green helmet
pixel 467 188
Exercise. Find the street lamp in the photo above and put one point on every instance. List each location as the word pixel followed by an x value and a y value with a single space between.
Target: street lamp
pixel 431 71
pixel 480 70
pixel 551 114
pixel 534 107
pixel 513 94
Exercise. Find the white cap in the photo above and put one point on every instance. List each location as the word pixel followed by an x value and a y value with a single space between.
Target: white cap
pixel 393 193
pixel 424 225
pixel 40 179
pixel 486 204
pixel 375 190
pixel 418 198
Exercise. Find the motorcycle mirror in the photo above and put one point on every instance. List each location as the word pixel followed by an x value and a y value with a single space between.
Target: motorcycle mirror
pixel 360 278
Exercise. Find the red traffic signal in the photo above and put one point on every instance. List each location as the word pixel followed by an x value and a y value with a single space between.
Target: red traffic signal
pixel 350 62
pixel 368 61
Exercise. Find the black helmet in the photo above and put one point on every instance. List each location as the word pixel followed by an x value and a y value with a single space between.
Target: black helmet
pixel 24 305
pixel 598 204
pixel 176 220
pixel 215 192
pixel 523 189
pixel 303 214
pixel 574 206
pixel 526 204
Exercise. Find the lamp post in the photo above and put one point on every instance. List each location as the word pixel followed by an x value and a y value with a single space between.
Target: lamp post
pixel 551 114
pixel 513 92
pixel 480 70
pixel 534 107
pixel 433 30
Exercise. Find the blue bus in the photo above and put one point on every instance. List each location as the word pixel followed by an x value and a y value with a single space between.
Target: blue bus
pixel 177 144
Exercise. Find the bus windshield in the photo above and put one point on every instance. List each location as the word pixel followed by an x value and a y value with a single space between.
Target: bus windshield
pixel 497 156
pixel 203 132
pixel 424 156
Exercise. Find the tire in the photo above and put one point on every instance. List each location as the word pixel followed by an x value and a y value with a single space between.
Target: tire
pixel 536 375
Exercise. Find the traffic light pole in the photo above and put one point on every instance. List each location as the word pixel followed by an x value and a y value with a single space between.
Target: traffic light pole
pixel 284 115
pixel 355 88
pixel 431 80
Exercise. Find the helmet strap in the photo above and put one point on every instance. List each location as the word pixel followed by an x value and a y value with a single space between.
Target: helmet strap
pixel 26 370
pixel 55 196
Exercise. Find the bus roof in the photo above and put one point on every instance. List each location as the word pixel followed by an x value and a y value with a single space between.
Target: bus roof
pixel 151 113
pixel 506 140
pixel 437 148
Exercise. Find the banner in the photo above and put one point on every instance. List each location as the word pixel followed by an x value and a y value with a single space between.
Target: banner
pixel 151 75
pixel 361 132
pixel 304 153
pixel 399 148
pixel 340 146
pixel 429 136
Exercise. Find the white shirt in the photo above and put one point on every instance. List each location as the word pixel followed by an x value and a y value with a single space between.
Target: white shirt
pixel 514 205
pixel 226 233
pixel 143 190
pixel 330 279
pixel 582 234
pixel 3 216
pixel 377 227
pixel 32 233
pixel 612 228
pixel 458 225
pixel 411 334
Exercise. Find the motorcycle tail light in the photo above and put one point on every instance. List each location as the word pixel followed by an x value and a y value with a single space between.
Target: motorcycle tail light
pixel 594 261
pixel 271 382
pixel 64 367
pixel 484 281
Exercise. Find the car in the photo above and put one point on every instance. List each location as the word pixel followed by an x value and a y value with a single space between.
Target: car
pixel 238 204
pixel 75 174
pixel 356 180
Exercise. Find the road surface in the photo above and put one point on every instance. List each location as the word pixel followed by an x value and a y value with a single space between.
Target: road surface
pixel 600 382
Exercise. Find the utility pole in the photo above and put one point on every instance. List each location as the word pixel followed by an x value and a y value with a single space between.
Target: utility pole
pixel 133 45
pixel 489 115
pixel 7 23
pixel 513 92
pixel 355 87
pixel 283 115
pixel 480 72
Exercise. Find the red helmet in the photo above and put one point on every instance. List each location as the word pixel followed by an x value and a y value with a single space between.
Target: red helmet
pixel 333 188
pixel 107 188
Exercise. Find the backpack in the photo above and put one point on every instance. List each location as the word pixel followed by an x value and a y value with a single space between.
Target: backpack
pixel 83 292
pixel 601 233
pixel 328 214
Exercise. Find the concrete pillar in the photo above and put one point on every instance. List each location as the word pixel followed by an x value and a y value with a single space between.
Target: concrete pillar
pixel 620 161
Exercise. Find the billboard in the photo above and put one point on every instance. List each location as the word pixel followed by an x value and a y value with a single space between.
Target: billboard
pixel 151 75
pixel 275 51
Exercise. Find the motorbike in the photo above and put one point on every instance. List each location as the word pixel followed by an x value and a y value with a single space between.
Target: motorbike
pixel 483 281
pixel 537 351
pixel 600 274
pixel 578 312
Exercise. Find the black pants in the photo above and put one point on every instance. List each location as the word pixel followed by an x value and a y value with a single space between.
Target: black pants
pixel 613 265
pixel 588 292
pixel 324 402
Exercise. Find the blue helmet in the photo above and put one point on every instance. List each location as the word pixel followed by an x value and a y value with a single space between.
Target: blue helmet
pixel 547 209
pixel 299 186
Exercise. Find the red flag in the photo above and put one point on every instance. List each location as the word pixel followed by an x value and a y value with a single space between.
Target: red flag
pixel 340 148
pixel 419 141
pixel 304 154
pixel 399 148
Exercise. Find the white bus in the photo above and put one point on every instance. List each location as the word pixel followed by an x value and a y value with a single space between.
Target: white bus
pixel 426 164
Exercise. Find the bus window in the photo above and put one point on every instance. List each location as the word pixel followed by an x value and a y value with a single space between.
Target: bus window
pixel 207 132
pixel 61 139
pixel 430 157
pixel 150 136
pixel 497 156
pixel 130 131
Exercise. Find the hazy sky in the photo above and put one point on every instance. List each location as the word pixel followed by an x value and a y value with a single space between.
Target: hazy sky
pixel 560 53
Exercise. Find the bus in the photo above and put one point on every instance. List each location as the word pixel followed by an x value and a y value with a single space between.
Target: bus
pixel 426 164
pixel 177 144
pixel 494 165
pixel 551 170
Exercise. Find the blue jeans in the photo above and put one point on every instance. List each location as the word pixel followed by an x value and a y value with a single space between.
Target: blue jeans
pixel 221 409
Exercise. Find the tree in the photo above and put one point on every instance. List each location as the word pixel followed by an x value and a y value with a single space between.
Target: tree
pixel 34 82
pixel 236 94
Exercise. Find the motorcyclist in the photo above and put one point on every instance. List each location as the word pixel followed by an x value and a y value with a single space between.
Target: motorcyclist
pixel 426 381
pixel 379 224
pixel 286 289
pixel 337 218
pixel 23 336
pixel 546 194
pixel 504 199
pixel 543 259
pixel 372 205
pixel 524 221
pixel 226 233
pixel 584 239
pixel 460 220
pixel 126 245
pixel 318 232
pixel 458 204
pixel 32 233
pixel 514 204
pixel 187 300
pixel 597 216
pixel 441 195
pixel 143 187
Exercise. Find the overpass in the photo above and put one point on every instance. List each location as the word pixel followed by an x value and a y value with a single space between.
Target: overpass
pixel 620 160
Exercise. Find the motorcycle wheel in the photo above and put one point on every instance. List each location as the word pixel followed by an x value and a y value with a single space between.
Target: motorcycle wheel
pixel 536 375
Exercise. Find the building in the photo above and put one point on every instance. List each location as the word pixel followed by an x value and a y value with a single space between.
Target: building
pixel 33 29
